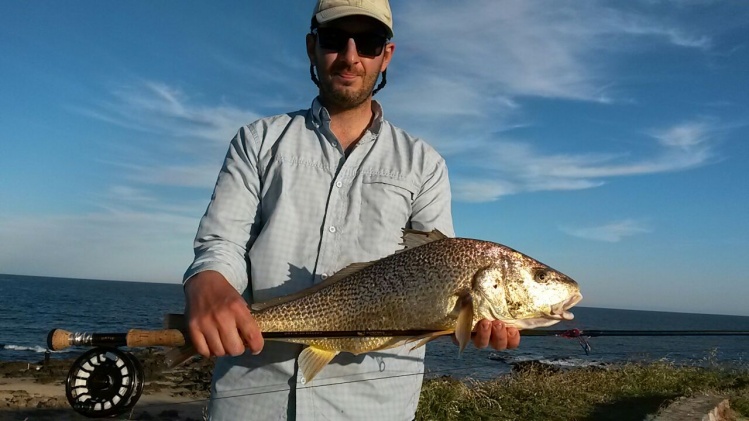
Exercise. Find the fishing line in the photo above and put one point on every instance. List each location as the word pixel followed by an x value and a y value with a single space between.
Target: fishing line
pixel 433 374
pixel 428 374
pixel 59 339
pixel 286 388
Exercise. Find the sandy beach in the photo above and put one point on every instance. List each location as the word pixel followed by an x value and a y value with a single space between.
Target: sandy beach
pixel 37 391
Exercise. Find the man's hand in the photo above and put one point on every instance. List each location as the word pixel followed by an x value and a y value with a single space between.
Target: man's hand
pixel 219 320
pixel 494 333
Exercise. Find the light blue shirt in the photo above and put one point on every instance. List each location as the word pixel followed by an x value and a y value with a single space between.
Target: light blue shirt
pixel 290 209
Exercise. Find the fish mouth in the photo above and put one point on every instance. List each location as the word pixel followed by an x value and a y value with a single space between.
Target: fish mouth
pixel 559 310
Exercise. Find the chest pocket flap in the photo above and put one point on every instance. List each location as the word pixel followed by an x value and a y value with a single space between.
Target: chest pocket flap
pixel 402 187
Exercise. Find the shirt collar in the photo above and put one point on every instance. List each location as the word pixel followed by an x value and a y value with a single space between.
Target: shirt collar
pixel 321 116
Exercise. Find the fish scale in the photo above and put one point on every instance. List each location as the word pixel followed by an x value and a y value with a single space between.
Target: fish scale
pixel 426 286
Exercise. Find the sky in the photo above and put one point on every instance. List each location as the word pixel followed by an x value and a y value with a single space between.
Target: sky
pixel 607 139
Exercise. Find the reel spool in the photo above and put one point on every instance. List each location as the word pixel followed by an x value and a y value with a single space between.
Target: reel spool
pixel 104 382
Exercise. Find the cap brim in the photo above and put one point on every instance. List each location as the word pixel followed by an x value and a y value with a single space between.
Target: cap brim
pixel 334 13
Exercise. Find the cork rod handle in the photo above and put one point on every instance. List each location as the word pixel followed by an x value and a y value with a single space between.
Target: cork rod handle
pixel 166 337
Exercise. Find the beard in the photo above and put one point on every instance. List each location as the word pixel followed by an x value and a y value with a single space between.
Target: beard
pixel 346 97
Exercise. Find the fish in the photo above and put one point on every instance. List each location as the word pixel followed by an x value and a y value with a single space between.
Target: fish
pixel 435 283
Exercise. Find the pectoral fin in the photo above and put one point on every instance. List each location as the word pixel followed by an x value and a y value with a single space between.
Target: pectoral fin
pixel 465 322
pixel 312 360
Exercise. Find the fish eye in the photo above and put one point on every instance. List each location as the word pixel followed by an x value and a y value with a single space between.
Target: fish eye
pixel 541 276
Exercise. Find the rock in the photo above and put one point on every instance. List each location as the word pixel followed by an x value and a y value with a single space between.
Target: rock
pixel 144 416
pixel 169 414
pixel 696 408
pixel 533 365
pixel 20 393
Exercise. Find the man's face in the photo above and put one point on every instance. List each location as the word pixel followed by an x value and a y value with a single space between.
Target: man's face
pixel 347 76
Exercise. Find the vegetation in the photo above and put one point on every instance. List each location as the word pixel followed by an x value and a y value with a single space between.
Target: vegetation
pixel 537 392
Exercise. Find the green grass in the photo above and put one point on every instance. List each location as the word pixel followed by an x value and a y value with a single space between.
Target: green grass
pixel 624 392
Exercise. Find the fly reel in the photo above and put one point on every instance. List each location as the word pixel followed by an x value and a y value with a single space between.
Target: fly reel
pixel 104 382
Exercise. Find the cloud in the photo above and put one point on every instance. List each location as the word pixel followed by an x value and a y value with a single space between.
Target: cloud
pixel 199 175
pixel 189 139
pixel 158 108
pixel 611 232
pixel 502 167
pixel 113 244
pixel 127 199
pixel 467 86
pixel 463 71
pixel 476 190
pixel 687 136
pixel 142 224
pixel 513 48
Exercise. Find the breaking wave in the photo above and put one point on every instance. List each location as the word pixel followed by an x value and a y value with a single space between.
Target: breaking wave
pixel 36 348
pixel 561 362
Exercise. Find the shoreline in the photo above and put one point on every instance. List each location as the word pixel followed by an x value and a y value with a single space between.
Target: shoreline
pixel 533 391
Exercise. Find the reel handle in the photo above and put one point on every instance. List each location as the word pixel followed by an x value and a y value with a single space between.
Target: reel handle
pixel 59 339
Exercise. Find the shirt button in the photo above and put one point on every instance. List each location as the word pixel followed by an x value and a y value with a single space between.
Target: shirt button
pixel 331 229
pixel 324 276
pixel 338 184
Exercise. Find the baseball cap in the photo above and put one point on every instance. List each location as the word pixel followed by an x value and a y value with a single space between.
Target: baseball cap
pixel 328 10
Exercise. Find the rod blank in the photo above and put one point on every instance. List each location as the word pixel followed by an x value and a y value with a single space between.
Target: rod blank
pixel 59 339
pixel 574 333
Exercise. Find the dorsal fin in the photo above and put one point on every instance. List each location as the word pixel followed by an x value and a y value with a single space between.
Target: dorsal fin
pixel 348 270
pixel 416 238
pixel 343 273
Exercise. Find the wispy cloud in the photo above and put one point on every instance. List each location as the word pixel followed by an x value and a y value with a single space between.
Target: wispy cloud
pixel 128 199
pixel 190 136
pixel 162 109
pixel 112 244
pixel 201 175
pixel 505 167
pixel 610 232
pixel 512 48
pixel 146 208
pixel 145 217
pixel 688 136
pixel 493 56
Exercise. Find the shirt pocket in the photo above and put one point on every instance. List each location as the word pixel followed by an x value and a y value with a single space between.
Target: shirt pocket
pixel 386 203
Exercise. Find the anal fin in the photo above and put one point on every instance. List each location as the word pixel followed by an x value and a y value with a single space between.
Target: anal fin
pixel 312 360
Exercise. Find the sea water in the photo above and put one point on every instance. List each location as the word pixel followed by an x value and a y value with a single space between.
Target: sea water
pixel 31 306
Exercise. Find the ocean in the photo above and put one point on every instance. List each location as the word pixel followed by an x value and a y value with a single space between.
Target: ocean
pixel 31 306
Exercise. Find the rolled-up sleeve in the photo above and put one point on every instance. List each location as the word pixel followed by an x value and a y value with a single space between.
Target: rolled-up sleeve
pixel 229 225
pixel 432 205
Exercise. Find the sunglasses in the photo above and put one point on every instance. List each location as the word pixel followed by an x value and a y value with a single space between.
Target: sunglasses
pixel 369 44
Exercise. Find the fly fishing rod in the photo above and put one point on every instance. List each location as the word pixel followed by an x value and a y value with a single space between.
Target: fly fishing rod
pixel 593 333
pixel 59 339
pixel 106 381
pixel 581 335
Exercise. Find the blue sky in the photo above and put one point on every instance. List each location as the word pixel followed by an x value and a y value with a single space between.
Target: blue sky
pixel 606 139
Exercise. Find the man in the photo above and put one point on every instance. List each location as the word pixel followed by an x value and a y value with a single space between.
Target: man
pixel 300 196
